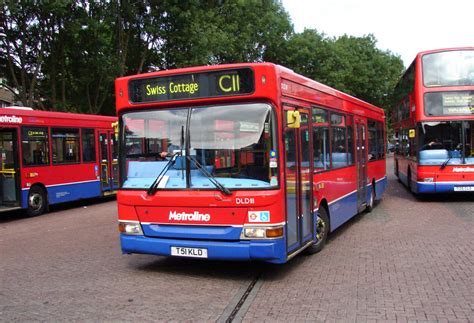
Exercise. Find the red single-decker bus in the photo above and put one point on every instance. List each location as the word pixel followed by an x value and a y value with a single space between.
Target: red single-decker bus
pixel 54 157
pixel 242 161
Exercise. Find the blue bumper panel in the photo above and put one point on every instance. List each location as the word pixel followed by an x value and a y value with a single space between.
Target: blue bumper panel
pixel 269 250
pixel 440 187
pixel 192 232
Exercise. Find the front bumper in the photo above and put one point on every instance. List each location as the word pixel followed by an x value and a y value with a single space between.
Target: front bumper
pixel 443 187
pixel 273 251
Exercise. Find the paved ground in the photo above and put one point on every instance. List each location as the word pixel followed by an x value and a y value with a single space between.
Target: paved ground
pixel 408 260
pixel 67 266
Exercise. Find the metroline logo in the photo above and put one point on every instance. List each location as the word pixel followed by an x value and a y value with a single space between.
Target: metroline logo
pixel 463 169
pixel 183 216
pixel 11 119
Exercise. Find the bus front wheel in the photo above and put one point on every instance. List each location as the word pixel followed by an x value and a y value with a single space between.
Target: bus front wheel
pixel 36 201
pixel 322 231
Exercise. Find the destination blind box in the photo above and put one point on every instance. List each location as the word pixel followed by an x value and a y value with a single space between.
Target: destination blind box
pixel 192 86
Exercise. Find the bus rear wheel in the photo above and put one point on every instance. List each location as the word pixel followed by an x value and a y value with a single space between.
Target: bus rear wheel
pixel 36 201
pixel 409 181
pixel 322 231
pixel 370 205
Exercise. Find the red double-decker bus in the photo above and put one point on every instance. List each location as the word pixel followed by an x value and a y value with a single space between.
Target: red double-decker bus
pixel 261 163
pixel 54 157
pixel 434 122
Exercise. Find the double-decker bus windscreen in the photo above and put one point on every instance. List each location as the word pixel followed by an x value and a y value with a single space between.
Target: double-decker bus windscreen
pixel 236 144
pixel 451 68
pixel 446 143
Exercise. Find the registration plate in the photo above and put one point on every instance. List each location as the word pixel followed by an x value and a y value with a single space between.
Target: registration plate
pixel 189 252
pixel 464 188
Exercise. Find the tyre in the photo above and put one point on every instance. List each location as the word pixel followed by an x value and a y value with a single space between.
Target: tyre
pixel 409 181
pixel 36 201
pixel 322 231
pixel 370 205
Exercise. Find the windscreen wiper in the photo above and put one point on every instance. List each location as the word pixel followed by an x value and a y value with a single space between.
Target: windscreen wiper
pixel 443 165
pixel 156 182
pixel 211 177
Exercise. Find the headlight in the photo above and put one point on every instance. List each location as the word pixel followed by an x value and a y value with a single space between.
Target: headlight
pixel 131 228
pixel 254 233
pixel 428 179
pixel 261 232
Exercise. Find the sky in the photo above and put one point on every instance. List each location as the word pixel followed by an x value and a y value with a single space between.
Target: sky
pixel 405 27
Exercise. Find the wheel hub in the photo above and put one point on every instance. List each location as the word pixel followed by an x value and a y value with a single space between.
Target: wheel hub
pixel 320 228
pixel 36 201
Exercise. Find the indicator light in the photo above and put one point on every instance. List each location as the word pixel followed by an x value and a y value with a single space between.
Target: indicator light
pixel 261 232
pixel 275 232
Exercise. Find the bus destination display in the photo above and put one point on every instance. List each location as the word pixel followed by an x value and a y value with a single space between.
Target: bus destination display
pixel 449 103
pixel 458 103
pixel 457 99
pixel 192 86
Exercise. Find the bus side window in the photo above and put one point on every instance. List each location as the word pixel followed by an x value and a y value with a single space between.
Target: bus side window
pixel 35 145
pixel 338 141
pixel 65 145
pixel 88 145
pixel 320 139
pixel 372 140
pixel 350 140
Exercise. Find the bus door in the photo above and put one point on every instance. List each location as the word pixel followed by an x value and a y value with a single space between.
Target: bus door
pixel 9 169
pixel 298 177
pixel 361 164
pixel 108 161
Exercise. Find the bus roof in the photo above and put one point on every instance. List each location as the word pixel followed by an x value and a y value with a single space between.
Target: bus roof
pixel 432 51
pixel 29 112
pixel 279 71
pixel 315 85
pixel 13 116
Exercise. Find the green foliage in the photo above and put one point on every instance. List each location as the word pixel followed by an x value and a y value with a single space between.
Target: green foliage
pixel 359 68
pixel 65 55
pixel 216 32
pixel 306 53
pixel 350 64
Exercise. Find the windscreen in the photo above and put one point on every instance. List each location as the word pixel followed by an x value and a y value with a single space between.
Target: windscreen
pixel 236 144
pixel 451 68
pixel 448 142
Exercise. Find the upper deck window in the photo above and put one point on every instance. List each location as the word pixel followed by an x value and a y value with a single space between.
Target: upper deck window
pixel 452 68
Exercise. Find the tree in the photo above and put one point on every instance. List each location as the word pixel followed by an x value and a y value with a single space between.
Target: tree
pixel 306 53
pixel 350 64
pixel 65 55
pixel 23 45
pixel 359 68
pixel 216 32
